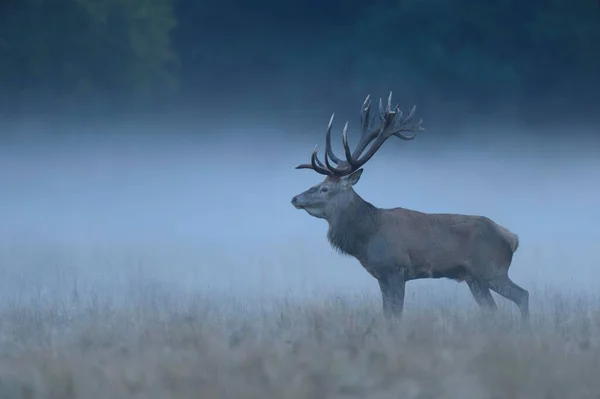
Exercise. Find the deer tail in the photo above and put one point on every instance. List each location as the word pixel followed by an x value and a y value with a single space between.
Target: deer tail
pixel 511 238
pixel 514 242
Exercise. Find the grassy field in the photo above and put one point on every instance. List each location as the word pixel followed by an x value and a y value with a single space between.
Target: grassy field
pixel 116 254
pixel 162 346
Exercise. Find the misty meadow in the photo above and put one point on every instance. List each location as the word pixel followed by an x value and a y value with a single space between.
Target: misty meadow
pixel 150 244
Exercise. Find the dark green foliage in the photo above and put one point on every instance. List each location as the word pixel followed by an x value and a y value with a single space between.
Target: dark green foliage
pixel 487 52
pixel 64 50
pixel 529 56
pixel 479 53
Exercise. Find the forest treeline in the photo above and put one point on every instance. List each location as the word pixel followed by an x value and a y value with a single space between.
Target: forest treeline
pixel 480 53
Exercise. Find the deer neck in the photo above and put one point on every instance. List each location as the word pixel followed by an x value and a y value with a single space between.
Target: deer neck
pixel 351 228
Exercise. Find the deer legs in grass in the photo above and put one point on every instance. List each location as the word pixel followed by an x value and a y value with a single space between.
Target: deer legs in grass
pixel 482 295
pixel 392 292
pixel 504 286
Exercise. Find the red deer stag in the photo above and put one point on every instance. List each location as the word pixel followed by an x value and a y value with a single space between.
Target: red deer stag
pixel 398 245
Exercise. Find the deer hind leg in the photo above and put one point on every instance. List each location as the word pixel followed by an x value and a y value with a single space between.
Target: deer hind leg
pixel 504 286
pixel 392 292
pixel 482 294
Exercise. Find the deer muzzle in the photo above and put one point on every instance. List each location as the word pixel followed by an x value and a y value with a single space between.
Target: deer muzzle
pixel 295 203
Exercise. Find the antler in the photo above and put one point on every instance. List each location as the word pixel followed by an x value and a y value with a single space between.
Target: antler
pixel 392 123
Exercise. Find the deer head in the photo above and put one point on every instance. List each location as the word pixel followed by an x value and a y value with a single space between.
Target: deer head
pixel 336 192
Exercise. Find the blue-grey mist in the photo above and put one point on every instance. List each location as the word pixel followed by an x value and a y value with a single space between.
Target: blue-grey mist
pixel 209 212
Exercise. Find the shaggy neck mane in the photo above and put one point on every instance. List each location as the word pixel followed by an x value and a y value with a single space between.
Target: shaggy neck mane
pixel 352 226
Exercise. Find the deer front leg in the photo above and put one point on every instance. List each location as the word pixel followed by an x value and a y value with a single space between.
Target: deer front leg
pixel 392 292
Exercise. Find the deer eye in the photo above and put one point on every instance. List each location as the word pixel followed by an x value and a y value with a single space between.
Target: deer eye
pixel 324 189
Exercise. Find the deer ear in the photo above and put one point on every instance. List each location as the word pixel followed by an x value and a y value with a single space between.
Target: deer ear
pixel 353 178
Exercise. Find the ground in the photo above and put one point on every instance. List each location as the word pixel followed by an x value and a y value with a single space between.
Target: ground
pixel 206 347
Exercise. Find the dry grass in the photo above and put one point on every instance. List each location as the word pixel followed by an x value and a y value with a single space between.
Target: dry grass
pixel 159 347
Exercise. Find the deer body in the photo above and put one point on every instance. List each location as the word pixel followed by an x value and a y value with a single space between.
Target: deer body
pixel 423 244
pixel 398 245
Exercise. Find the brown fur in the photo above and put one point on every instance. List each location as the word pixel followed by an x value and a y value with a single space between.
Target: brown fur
pixel 398 245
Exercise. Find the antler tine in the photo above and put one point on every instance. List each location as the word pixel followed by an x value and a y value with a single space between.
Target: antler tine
pixel 366 138
pixel 328 164
pixel 325 168
pixel 386 129
pixel 414 129
pixel 347 152
pixel 389 127
pixel 367 120
pixel 411 113
pixel 399 111
pixel 389 115
pixel 335 170
pixel 365 112
pixel 315 164
pixel 392 124
pixel 328 150
pixel 403 126
pixel 342 171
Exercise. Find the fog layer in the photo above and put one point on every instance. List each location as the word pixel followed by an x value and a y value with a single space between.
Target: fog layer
pixel 192 215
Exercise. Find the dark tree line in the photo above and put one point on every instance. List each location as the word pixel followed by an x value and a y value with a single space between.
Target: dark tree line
pixel 477 53
pixel 66 51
